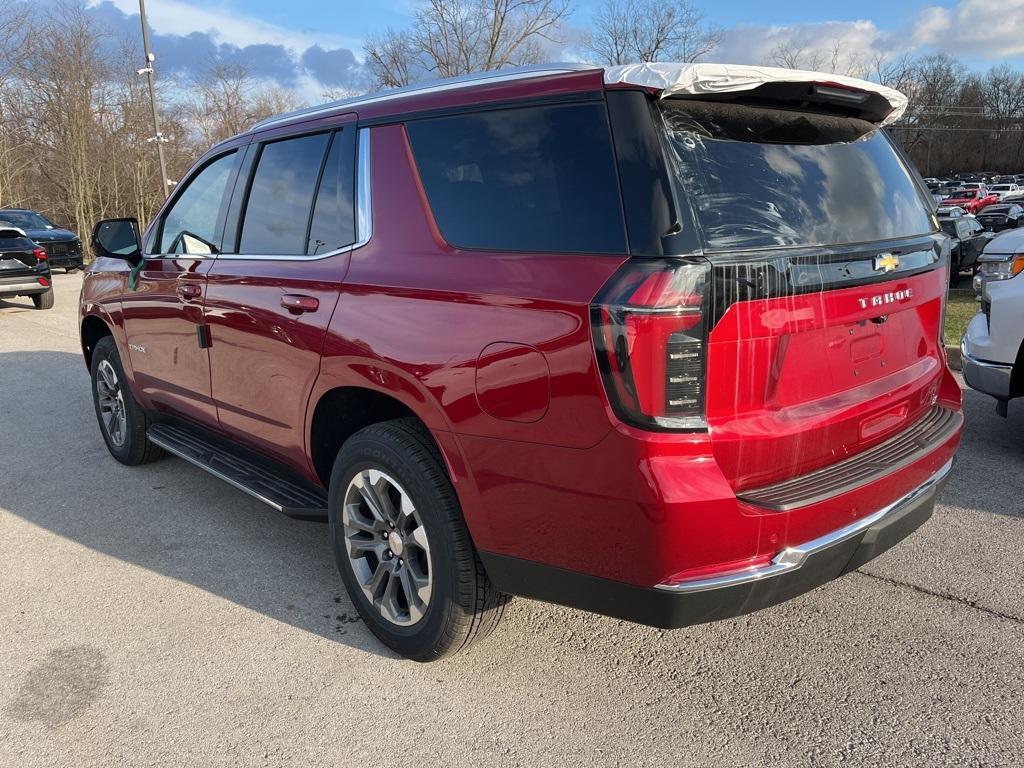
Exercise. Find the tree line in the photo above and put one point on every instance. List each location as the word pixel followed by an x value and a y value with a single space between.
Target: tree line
pixel 76 136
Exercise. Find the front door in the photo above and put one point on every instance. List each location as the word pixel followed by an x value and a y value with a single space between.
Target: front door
pixel 163 315
pixel 270 296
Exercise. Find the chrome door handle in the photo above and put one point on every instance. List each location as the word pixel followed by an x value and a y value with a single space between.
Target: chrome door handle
pixel 188 291
pixel 297 303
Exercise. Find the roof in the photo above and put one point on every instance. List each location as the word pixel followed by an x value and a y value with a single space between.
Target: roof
pixel 879 103
pixel 431 86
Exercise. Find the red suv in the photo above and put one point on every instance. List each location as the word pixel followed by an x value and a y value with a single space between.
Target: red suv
pixel 660 342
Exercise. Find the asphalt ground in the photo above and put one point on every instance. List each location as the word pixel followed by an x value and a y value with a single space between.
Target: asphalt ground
pixel 155 616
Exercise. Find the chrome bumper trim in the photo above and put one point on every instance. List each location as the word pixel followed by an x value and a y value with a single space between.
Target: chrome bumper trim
pixel 793 558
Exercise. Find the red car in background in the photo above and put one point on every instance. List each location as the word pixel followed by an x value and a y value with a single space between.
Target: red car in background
pixel 972 200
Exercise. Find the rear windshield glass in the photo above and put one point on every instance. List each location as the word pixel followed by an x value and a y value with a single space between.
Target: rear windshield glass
pixel 14 243
pixel 761 178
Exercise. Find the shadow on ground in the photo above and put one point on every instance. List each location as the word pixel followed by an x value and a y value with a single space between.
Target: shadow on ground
pixel 167 517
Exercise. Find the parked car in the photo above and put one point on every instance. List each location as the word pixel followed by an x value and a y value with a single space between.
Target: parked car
pixel 63 247
pixel 950 211
pixel 24 270
pixel 1002 190
pixel 992 348
pixel 971 200
pixel 1005 215
pixel 535 332
pixel 969 239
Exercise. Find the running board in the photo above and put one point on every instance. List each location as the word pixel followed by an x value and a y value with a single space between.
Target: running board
pixel 270 485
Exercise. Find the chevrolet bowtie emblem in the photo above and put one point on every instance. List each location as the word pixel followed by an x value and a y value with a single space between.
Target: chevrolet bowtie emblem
pixel 886 262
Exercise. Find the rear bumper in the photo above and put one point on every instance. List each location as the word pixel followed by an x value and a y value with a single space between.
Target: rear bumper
pixel 792 572
pixel 22 286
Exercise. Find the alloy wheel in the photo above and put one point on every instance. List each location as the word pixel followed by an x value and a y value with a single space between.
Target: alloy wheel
pixel 387 546
pixel 111 403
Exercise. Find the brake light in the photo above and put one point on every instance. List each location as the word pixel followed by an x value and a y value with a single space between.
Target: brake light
pixel 39 253
pixel 649 326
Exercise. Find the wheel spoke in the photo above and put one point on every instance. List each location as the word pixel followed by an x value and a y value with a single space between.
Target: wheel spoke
pixel 387 546
pixel 377 582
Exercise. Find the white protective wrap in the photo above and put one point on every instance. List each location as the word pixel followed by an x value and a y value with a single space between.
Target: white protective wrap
pixel 702 79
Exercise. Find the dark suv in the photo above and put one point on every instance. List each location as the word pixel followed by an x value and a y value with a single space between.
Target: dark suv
pixel 24 268
pixel 660 342
pixel 63 247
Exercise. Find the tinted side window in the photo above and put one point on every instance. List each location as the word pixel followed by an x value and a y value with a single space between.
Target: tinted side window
pixel 277 213
pixel 530 179
pixel 333 224
pixel 190 226
pixel 962 230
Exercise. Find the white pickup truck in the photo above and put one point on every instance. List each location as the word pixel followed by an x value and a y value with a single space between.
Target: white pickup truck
pixel 993 346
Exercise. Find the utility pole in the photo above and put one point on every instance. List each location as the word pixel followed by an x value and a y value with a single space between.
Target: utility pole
pixel 158 138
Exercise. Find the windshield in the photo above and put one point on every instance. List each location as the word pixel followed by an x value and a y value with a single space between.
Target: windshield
pixel 762 178
pixel 24 219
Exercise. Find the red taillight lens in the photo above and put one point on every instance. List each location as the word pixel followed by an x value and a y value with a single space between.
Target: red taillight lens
pixel 39 253
pixel 650 336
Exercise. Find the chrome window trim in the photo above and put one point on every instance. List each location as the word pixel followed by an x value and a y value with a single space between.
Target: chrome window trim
pixel 794 557
pixel 363 214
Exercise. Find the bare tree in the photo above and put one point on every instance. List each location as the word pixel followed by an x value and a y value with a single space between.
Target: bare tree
pixel 452 37
pixel 836 58
pixel 225 99
pixel 627 31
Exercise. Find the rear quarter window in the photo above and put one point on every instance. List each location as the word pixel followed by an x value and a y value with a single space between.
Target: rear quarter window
pixel 524 179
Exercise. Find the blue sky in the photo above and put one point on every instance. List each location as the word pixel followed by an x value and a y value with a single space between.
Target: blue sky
pixel 311 45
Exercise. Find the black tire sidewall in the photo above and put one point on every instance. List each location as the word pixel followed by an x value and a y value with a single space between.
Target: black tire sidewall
pixel 371 450
pixel 129 452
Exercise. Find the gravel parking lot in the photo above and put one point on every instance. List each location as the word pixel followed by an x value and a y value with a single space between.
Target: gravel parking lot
pixel 155 616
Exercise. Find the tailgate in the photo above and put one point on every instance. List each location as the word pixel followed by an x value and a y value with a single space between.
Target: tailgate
pixel 798 382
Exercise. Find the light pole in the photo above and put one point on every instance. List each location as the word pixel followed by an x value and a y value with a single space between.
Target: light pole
pixel 158 137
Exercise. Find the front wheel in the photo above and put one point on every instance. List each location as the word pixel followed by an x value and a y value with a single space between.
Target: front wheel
pixel 122 421
pixel 402 546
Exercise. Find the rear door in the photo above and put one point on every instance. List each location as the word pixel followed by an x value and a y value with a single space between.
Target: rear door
pixel 827 284
pixel 271 294
pixel 163 315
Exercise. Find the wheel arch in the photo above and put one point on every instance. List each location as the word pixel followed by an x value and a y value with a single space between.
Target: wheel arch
pixel 341 411
pixel 92 330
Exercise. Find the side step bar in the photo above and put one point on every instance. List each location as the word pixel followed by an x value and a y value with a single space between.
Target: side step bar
pixel 270 485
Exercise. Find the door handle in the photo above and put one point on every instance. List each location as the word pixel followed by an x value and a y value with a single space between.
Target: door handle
pixel 188 291
pixel 297 303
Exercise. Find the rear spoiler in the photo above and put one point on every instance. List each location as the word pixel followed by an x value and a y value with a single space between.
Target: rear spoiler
pixel 792 87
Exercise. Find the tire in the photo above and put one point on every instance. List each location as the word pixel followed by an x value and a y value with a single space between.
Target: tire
pixel 128 444
pixel 43 300
pixel 400 469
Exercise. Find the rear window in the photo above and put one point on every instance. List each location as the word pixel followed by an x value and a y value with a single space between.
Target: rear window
pixel 762 178
pixel 525 179
pixel 12 241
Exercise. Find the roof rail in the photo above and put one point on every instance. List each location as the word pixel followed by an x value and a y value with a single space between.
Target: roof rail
pixel 432 86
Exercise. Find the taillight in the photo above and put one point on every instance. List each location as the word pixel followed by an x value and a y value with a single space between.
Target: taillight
pixel 650 332
pixel 39 253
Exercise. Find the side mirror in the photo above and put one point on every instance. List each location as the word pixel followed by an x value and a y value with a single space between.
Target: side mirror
pixel 117 239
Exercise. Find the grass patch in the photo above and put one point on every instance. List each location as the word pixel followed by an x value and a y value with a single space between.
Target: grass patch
pixel 960 308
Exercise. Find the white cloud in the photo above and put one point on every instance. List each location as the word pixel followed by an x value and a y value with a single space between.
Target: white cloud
pixel 858 42
pixel 993 30
pixel 180 17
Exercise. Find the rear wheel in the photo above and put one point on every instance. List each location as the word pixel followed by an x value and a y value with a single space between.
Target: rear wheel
pixel 122 421
pixel 402 546
pixel 43 300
